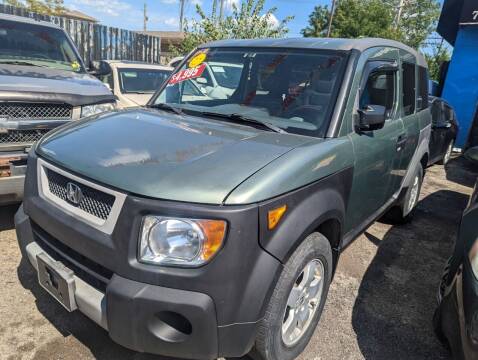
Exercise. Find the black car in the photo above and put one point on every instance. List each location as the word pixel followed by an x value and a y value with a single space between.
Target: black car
pixel 456 318
pixel 444 131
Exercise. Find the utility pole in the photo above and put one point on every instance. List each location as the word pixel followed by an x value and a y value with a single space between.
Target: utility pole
pixel 181 15
pixel 399 13
pixel 221 10
pixel 331 18
pixel 145 17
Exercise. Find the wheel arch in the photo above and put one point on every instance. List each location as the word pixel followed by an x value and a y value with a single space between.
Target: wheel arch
pixel 319 207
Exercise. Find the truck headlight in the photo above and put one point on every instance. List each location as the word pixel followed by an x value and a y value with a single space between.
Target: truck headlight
pixel 89 110
pixel 180 241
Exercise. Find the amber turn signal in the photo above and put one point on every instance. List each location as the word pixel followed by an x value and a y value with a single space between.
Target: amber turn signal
pixel 275 215
pixel 214 231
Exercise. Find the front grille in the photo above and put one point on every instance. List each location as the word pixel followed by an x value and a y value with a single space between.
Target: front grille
pixel 22 136
pixel 92 201
pixel 35 111
pixel 89 271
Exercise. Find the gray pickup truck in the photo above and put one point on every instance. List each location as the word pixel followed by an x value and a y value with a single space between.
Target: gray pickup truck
pixel 43 84
pixel 210 223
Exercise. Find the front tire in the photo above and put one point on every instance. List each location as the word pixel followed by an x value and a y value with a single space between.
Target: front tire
pixel 297 302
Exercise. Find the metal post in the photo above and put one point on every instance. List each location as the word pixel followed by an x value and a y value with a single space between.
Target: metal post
pixel 399 13
pixel 221 10
pixel 145 17
pixel 331 18
pixel 181 15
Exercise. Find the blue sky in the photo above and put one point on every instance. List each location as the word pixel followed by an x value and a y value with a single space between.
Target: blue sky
pixel 164 14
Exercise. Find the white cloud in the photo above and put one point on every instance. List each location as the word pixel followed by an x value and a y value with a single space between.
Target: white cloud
pixel 168 2
pixel 172 21
pixel 196 2
pixel 108 7
pixel 229 3
pixel 272 20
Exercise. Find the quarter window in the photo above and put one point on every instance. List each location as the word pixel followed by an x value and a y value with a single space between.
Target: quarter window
pixel 408 94
pixel 422 88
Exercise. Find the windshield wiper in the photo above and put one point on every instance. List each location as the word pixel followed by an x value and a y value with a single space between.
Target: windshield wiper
pixel 17 62
pixel 167 107
pixel 245 120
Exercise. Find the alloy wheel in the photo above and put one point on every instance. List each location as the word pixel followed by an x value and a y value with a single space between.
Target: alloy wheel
pixel 303 302
pixel 414 193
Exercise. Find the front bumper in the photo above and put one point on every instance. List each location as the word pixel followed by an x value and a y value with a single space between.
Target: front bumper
pixel 11 189
pixel 11 186
pixel 139 316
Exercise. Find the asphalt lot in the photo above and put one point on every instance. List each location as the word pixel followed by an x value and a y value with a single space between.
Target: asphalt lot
pixel 379 306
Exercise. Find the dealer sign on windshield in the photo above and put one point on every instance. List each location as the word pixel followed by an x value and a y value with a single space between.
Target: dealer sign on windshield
pixel 187 74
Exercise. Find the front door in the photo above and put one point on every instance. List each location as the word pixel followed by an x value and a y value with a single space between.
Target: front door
pixel 376 152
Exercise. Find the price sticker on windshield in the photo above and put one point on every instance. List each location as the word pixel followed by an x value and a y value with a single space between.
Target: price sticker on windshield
pixel 187 74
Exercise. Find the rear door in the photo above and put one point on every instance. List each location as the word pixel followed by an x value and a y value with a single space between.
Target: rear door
pixel 408 139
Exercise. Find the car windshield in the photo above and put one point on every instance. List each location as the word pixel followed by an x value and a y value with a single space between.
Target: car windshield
pixel 292 89
pixel 37 45
pixel 141 80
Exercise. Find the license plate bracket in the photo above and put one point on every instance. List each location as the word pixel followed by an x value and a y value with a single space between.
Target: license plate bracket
pixel 57 280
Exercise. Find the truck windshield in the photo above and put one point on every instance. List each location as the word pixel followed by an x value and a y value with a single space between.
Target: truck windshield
pixel 291 89
pixel 141 80
pixel 37 45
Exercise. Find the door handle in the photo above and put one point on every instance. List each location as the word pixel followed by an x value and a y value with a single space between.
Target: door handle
pixel 401 141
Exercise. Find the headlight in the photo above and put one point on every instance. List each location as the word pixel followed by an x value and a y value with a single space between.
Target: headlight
pixel 96 109
pixel 178 241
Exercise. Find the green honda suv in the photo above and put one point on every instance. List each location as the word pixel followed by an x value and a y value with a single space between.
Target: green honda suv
pixel 209 223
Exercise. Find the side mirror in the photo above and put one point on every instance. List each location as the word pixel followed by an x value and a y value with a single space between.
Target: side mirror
pixel 99 68
pixel 372 117
pixel 201 80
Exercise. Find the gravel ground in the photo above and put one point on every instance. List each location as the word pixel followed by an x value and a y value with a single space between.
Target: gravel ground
pixel 379 306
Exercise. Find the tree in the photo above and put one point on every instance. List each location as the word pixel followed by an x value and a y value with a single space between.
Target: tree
pixel 417 21
pixel 248 21
pixel 437 55
pixel 353 19
pixel 318 22
pixel 45 7
pixel 378 18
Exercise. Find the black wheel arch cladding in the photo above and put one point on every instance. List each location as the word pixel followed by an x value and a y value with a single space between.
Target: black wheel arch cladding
pixel 324 201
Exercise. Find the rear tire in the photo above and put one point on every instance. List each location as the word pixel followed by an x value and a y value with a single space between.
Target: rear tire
pixel 403 212
pixel 436 321
pixel 447 156
pixel 293 313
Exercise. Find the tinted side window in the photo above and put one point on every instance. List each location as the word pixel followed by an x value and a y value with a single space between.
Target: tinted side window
pixel 448 114
pixel 437 112
pixel 422 88
pixel 380 90
pixel 408 88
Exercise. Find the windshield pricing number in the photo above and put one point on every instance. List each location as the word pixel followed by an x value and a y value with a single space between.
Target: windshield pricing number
pixel 475 15
pixel 187 74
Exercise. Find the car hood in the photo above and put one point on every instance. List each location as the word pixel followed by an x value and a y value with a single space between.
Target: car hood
pixel 163 155
pixel 23 83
